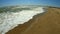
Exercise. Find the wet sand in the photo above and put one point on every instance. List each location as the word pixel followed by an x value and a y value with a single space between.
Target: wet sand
pixel 47 23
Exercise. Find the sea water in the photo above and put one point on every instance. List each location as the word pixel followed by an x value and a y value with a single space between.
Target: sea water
pixel 9 20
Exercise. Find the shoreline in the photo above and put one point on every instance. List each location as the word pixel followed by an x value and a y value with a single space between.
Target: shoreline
pixel 49 23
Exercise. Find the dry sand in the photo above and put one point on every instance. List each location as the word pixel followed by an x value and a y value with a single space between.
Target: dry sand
pixel 47 23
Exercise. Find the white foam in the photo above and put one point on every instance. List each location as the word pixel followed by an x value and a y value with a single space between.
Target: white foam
pixel 10 20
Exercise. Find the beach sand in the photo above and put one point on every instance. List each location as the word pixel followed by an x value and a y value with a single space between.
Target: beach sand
pixel 46 23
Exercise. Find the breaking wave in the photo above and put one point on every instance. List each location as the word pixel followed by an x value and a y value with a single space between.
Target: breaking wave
pixel 9 20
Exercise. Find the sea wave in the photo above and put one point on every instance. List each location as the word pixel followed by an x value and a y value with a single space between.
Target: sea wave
pixel 9 20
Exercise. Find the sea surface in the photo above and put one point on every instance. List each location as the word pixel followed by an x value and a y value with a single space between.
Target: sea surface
pixel 10 20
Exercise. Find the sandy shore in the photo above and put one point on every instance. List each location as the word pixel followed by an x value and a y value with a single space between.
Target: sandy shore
pixel 47 23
